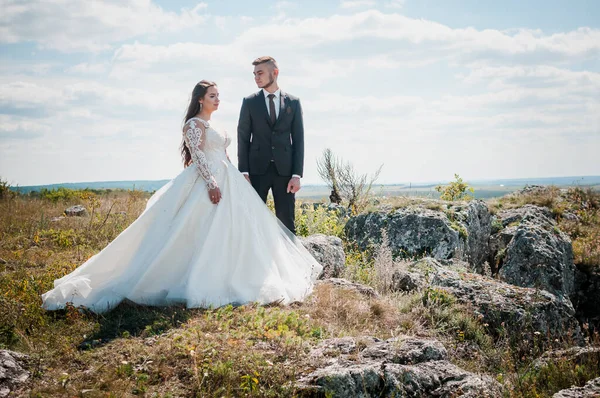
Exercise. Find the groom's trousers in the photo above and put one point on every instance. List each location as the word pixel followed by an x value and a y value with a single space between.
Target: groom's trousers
pixel 284 201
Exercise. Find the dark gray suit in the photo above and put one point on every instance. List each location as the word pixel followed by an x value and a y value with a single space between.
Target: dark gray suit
pixel 271 154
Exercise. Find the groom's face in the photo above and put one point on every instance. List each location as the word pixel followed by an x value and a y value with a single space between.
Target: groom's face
pixel 264 75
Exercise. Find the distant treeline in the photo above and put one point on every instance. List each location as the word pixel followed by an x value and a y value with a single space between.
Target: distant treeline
pixel 142 185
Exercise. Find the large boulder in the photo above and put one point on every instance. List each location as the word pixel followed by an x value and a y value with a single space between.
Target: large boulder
pixel 414 231
pixel 442 230
pixel 13 372
pixel 398 367
pixel 539 254
pixel 590 390
pixel 518 310
pixel 328 251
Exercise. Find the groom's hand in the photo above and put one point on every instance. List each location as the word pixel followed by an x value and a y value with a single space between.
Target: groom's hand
pixel 247 177
pixel 293 185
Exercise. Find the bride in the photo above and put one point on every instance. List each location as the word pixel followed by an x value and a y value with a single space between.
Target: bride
pixel 205 239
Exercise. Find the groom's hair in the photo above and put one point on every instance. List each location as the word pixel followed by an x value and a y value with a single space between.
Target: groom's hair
pixel 266 60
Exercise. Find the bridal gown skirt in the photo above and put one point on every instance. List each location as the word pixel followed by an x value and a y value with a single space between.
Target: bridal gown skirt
pixel 185 250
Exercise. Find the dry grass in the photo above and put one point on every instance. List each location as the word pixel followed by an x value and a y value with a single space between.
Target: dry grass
pixel 168 352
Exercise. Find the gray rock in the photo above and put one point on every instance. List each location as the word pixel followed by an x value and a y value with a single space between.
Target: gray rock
pixel 520 311
pixel 13 371
pixel 341 346
pixel 590 390
pixel 346 284
pixel 406 351
pixel 406 281
pixel 462 230
pixel 515 216
pixel 571 216
pixel 539 254
pixel 497 245
pixel 438 379
pixel 476 218
pixel 405 367
pixel 328 251
pixel 414 231
pixel 76 211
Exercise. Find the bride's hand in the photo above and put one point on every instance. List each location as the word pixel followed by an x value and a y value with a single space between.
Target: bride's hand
pixel 214 195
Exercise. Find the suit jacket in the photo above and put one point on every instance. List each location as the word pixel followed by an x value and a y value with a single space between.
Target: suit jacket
pixel 259 141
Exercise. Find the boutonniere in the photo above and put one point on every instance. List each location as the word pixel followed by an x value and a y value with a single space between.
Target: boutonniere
pixel 288 110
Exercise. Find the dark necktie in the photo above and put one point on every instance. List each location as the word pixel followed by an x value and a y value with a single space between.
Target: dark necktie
pixel 272 108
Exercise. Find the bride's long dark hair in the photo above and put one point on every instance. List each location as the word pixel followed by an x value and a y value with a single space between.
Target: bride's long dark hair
pixel 193 109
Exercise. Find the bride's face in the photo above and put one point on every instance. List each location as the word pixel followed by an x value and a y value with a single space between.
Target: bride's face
pixel 210 101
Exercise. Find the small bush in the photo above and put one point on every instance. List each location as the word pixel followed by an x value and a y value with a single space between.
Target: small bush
pixel 456 190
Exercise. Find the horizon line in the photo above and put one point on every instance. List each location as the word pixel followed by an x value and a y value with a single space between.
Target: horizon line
pixel 576 178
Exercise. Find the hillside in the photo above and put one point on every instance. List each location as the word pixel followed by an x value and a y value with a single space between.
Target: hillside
pixel 415 315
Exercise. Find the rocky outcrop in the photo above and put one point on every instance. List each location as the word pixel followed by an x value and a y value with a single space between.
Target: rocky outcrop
pixel 443 231
pixel 590 390
pixel 405 367
pixel 13 373
pixel 328 251
pixel 518 310
pixel 504 307
pixel 414 231
pixel 537 254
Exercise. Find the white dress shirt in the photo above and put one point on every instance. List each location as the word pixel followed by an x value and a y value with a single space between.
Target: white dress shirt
pixel 276 100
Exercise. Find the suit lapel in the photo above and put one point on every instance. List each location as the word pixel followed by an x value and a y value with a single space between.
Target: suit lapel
pixel 262 105
pixel 282 106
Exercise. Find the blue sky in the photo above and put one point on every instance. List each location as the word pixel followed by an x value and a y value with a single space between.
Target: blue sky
pixel 94 91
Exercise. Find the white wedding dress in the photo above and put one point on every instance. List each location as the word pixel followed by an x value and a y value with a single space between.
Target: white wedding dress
pixel 183 249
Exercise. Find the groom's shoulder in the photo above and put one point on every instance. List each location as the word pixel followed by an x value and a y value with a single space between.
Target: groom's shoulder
pixel 252 96
pixel 291 96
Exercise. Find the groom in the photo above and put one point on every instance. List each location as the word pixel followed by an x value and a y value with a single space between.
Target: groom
pixel 271 141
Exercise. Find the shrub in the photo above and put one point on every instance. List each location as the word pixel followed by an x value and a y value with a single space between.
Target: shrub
pixel 456 190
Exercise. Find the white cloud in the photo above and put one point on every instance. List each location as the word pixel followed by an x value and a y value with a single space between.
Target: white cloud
pixel 23 94
pixel 468 44
pixel 88 25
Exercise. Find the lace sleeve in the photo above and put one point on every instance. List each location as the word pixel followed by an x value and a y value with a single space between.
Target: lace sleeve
pixel 193 133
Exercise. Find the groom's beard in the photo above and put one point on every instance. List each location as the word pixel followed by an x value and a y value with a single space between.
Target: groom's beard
pixel 270 83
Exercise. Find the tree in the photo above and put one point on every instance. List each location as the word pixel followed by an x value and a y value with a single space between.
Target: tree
pixel 345 183
pixel 456 190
